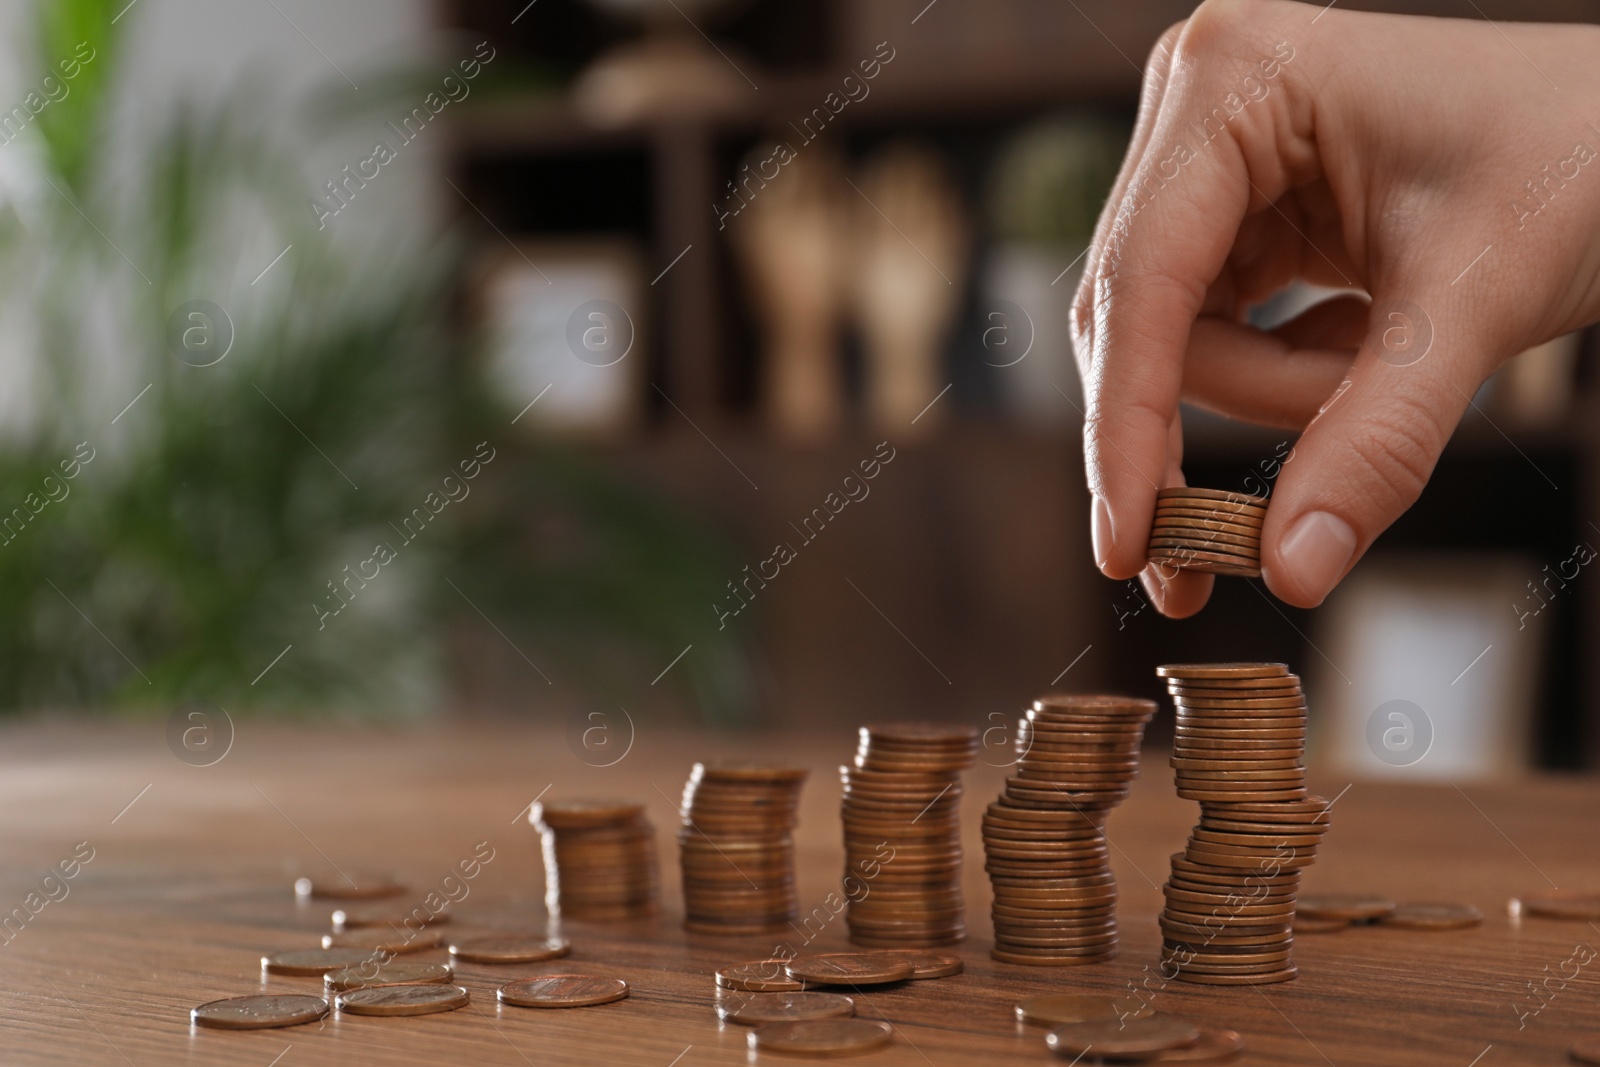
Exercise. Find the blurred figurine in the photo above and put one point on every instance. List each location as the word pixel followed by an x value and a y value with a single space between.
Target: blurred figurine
pixel 790 235
pixel 910 260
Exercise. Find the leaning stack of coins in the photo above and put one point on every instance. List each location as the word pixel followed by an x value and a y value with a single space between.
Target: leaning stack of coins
pixel 1208 530
pixel 902 834
pixel 737 847
pixel 599 859
pixel 1044 840
pixel 1238 750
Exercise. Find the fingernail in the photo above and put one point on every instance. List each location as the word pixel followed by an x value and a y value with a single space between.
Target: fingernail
pixel 1316 550
pixel 1101 533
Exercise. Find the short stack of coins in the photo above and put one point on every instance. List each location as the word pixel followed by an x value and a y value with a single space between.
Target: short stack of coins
pixel 599 859
pixel 736 847
pixel 1208 530
pixel 1044 842
pixel 1239 750
pixel 902 834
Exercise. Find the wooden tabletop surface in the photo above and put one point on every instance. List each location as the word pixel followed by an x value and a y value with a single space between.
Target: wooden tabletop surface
pixel 191 873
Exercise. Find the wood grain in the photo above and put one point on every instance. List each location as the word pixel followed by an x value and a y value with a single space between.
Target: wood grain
pixel 191 884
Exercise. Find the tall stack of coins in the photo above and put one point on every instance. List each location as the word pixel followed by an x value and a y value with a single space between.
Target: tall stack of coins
pixel 1055 897
pixel 599 859
pixel 737 847
pixel 1239 750
pixel 1208 530
pixel 902 834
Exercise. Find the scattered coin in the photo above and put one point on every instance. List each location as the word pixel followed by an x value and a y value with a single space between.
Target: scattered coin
pixel 380 939
pixel 599 859
pixel 927 964
pixel 260 1012
pixel 1433 917
pixel 1558 904
pixel 404 1000
pixel 348 887
pixel 1350 907
pixel 1304 924
pixel 1125 1038
pixel 759 976
pixel 357 917
pixel 849 968
pixel 756 1009
pixel 563 991
pixel 821 1037
pixel 1587 1049
pixel 372 975
pixel 314 961
pixel 1058 1009
pixel 510 948
pixel 1212 1046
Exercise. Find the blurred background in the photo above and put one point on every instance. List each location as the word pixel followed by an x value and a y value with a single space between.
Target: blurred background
pixel 702 360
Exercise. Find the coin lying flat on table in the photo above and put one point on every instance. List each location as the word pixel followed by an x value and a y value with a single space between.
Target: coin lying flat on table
pixel 357 917
pixel 352 887
pixel 926 964
pixel 1123 1037
pixel 394 973
pixel 1587 1049
pixel 260 1012
pixel 821 1037
pixel 563 991
pixel 1558 904
pixel 1058 1009
pixel 381 939
pixel 510 948
pixel 404 1000
pixel 1305 924
pixel 759 976
pixel 848 968
pixel 1351 907
pixel 1433 917
pixel 314 961
pixel 1212 1046
pixel 757 1009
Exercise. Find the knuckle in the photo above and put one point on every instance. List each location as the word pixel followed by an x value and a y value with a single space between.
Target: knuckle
pixel 1218 26
pixel 1396 447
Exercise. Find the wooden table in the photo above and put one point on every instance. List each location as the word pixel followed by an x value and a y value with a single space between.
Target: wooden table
pixel 190 883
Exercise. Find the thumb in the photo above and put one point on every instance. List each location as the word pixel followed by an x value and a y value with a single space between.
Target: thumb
pixel 1366 456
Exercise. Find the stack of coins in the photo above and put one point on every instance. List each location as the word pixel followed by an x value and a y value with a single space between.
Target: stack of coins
pixel 599 859
pixel 1238 750
pixel 902 834
pixel 1044 840
pixel 737 847
pixel 1208 530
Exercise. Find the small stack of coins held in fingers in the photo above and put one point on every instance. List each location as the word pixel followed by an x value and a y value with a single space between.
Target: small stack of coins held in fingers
pixel 737 847
pixel 599 859
pixel 1238 749
pixel 1209 530
pixel 902 834
pixel 1055 897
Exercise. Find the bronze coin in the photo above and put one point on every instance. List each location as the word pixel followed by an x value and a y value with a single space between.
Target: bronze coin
pixel 1178 511
pixel 747 771
pixel 921 734
pixel 1213 1046
pixel 1219 496
pixel 928 964
pixel 1058 1009
pixel 379 939
pixel 758 976
pixel 357 886
pixel 1269 978
pixel 583 814
pixel 1586 1049
pixel 1558 904
pixel 756 1009
pixel 373 975
pixel 1305 925
pixel 821 1037
pixel 314 961
pixel 1348 907
pixel 1433 917
pixel 1222 567
pixel 848 968
pixel 1044 958
pixel 1222 671
pixel 510 948
pixel 562 991
pixel 1164 535
pixel 354 918
pixel 1123 1037
pixel 259 1012
pixel 404 1000
pixel 1230 796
